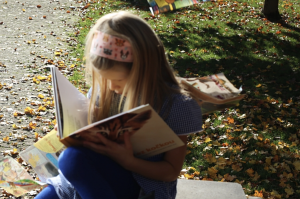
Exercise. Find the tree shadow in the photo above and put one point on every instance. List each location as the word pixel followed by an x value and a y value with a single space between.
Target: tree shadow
pixel 245 59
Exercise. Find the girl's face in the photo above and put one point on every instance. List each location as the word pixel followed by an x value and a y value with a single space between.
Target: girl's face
pixel 116 77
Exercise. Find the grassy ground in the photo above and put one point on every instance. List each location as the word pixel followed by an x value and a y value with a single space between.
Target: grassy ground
pixel 257 142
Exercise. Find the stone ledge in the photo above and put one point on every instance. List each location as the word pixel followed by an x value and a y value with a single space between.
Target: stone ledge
pixel 192 189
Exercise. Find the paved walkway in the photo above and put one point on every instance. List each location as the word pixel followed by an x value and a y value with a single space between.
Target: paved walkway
pixel 30 34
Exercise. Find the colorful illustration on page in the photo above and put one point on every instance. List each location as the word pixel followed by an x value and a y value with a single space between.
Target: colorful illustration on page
pixel 34 157
pixel 12 176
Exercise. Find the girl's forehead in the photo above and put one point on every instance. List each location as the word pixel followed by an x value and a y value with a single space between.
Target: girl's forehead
pixel 115 73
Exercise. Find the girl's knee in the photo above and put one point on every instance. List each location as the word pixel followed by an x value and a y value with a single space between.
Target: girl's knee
pixel 74 160
pixel 70 160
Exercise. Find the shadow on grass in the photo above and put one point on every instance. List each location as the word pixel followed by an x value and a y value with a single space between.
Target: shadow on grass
pixel 246 58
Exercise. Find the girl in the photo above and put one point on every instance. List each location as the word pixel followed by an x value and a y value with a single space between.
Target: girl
pixel 127 66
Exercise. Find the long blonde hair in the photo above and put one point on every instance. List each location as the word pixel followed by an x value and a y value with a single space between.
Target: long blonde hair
pixel 150 75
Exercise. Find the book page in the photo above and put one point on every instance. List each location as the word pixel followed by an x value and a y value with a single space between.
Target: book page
pixel 49 143
pixel 214 92
pixel 44 164
pixel 74 105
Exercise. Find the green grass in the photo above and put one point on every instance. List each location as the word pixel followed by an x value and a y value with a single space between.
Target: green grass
pixel 260 150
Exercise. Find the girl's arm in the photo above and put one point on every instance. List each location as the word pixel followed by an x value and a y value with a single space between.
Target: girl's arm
pixel 165 170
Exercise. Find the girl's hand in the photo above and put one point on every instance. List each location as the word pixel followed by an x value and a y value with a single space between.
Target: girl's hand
pixel 121 153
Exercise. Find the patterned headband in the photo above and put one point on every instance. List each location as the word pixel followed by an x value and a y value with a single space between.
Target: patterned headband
pixel 111 47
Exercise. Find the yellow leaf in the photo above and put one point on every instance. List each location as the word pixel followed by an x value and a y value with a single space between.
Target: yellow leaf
pixel 260 137
pixel 207 140
pixel 250 172
pixel 14 126
pixel 258 85
pixel 279 119
pixel 297 165
pixel 268 160
pixel 221 161
pixel 229 177
pixel 41 108
pixel 189 176
pixel 256 176
pixel 171 52
pixel 289 190
pixel 41 77
pixel 41 96
pixel 15 150
pixel 57 53
pixel 29 111
pixel 212 172
pixel 216 143
pixel 210 158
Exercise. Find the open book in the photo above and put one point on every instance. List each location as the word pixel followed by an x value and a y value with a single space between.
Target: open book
pixel 213 92
pixel 159 6
pixel 149 134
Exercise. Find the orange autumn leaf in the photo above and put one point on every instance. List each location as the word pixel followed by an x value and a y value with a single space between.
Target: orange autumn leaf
pixel 32 125
pixel 36 135
pixel 225 144
pixel 236 167
pixel 6 139
pixel 258 193
pixel 189 176
pixel 230 120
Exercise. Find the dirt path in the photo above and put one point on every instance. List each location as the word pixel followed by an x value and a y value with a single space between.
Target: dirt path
pixel 32 35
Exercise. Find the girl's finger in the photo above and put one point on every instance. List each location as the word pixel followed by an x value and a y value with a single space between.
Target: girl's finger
pixel 103 139
pixel 127 140
pixel 95 147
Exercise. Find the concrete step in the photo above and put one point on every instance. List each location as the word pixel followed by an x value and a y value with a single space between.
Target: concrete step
pixel 193 189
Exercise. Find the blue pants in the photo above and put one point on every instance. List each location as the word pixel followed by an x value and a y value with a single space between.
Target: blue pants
pixel 94 176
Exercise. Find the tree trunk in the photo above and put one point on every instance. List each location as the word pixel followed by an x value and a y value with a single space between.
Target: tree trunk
pixel 270 10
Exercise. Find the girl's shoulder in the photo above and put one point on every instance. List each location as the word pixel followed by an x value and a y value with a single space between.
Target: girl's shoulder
pixel 182 114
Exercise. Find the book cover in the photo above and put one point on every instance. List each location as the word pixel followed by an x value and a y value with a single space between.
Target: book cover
pixel 214 92
pixel 159 6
